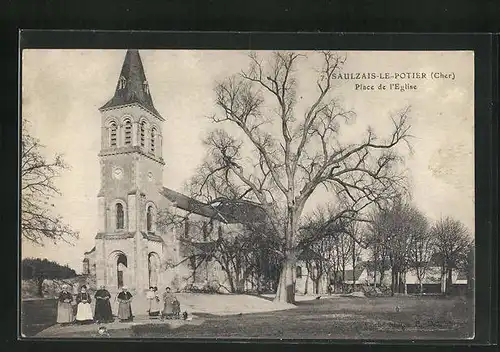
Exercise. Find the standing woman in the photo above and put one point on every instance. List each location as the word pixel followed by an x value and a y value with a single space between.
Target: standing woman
pixel 103 312
pixel 64 309
pixel 154 302
pixel 84 310
pixel 169 301
pixel 124 306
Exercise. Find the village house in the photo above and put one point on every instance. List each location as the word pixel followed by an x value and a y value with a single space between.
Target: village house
pixel 306 274
pixel 432 279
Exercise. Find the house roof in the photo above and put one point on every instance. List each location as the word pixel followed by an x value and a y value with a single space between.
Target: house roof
pixel 191 205
pixel 136 89
pixel 358 270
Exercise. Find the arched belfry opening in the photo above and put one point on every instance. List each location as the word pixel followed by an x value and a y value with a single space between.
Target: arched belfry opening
pixel 149 218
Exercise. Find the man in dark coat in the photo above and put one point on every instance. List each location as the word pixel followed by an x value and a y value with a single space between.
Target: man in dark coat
pixel 103 312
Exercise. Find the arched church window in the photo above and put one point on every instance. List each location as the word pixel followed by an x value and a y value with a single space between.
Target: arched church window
pixel 113 129
pixel 143 134
pixel 119 216
pixel 149 218
pixel 128 132
pixel 152 144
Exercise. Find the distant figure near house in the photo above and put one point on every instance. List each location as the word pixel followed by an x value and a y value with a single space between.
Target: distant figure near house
pixel 83 309
pixel 64 308
pixel 171 306
pixel 154 302
pixel 124 306
pixel 103 312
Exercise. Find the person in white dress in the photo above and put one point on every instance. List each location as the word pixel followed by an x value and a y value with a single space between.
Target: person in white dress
pixel 84 310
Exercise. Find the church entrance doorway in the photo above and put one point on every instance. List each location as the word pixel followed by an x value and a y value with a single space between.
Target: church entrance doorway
pixel 121 266
pixel 153 268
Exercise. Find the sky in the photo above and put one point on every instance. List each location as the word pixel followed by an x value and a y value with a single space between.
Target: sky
pixel 63 89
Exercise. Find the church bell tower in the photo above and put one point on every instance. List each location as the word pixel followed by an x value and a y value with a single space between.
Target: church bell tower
pixel 128 249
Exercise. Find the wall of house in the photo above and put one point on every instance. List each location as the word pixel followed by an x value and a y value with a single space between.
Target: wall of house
pixel 305 284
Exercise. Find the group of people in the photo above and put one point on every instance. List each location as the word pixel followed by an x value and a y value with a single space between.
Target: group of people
pixel 103 312
pixel 83 300
pixel 171 306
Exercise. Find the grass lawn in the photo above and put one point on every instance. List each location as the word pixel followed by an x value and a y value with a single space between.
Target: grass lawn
pixel 332 318
pixel 37 314
pixel 339 318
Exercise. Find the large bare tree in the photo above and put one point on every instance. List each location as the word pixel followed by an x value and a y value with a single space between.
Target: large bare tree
pixel 281 154
pixel 38 189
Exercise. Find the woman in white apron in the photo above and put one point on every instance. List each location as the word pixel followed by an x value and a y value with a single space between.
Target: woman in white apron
pixel 84 310
pixel 154 302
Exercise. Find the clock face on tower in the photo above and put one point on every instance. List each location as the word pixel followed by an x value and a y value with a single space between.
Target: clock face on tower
pixel 118 173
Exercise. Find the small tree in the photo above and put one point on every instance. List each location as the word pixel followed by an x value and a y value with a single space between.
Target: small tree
pixel 354 230
pixel 422 248
pixel 38 175
pixel 453 241
pixel 392 235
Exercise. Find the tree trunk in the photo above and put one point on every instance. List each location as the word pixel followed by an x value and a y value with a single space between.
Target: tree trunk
pixel 286 291
pixel 443 281
pixel 306 283
pixel 404 283
pixel 449 281
pixel 286 286
pixel 39 285
pixel 343 276
pixel 392 281
pixel 230 279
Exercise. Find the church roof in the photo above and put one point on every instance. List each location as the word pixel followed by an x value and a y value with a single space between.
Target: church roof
pixel 89 252
pixel 240 211
pixel 190 248
pixel 191 205
pixel 132 86
pixel 151 237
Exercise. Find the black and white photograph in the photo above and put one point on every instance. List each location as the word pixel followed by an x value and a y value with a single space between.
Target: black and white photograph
pixel 238 194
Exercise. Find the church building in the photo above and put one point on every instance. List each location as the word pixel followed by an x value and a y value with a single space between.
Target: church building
pixel 129 248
